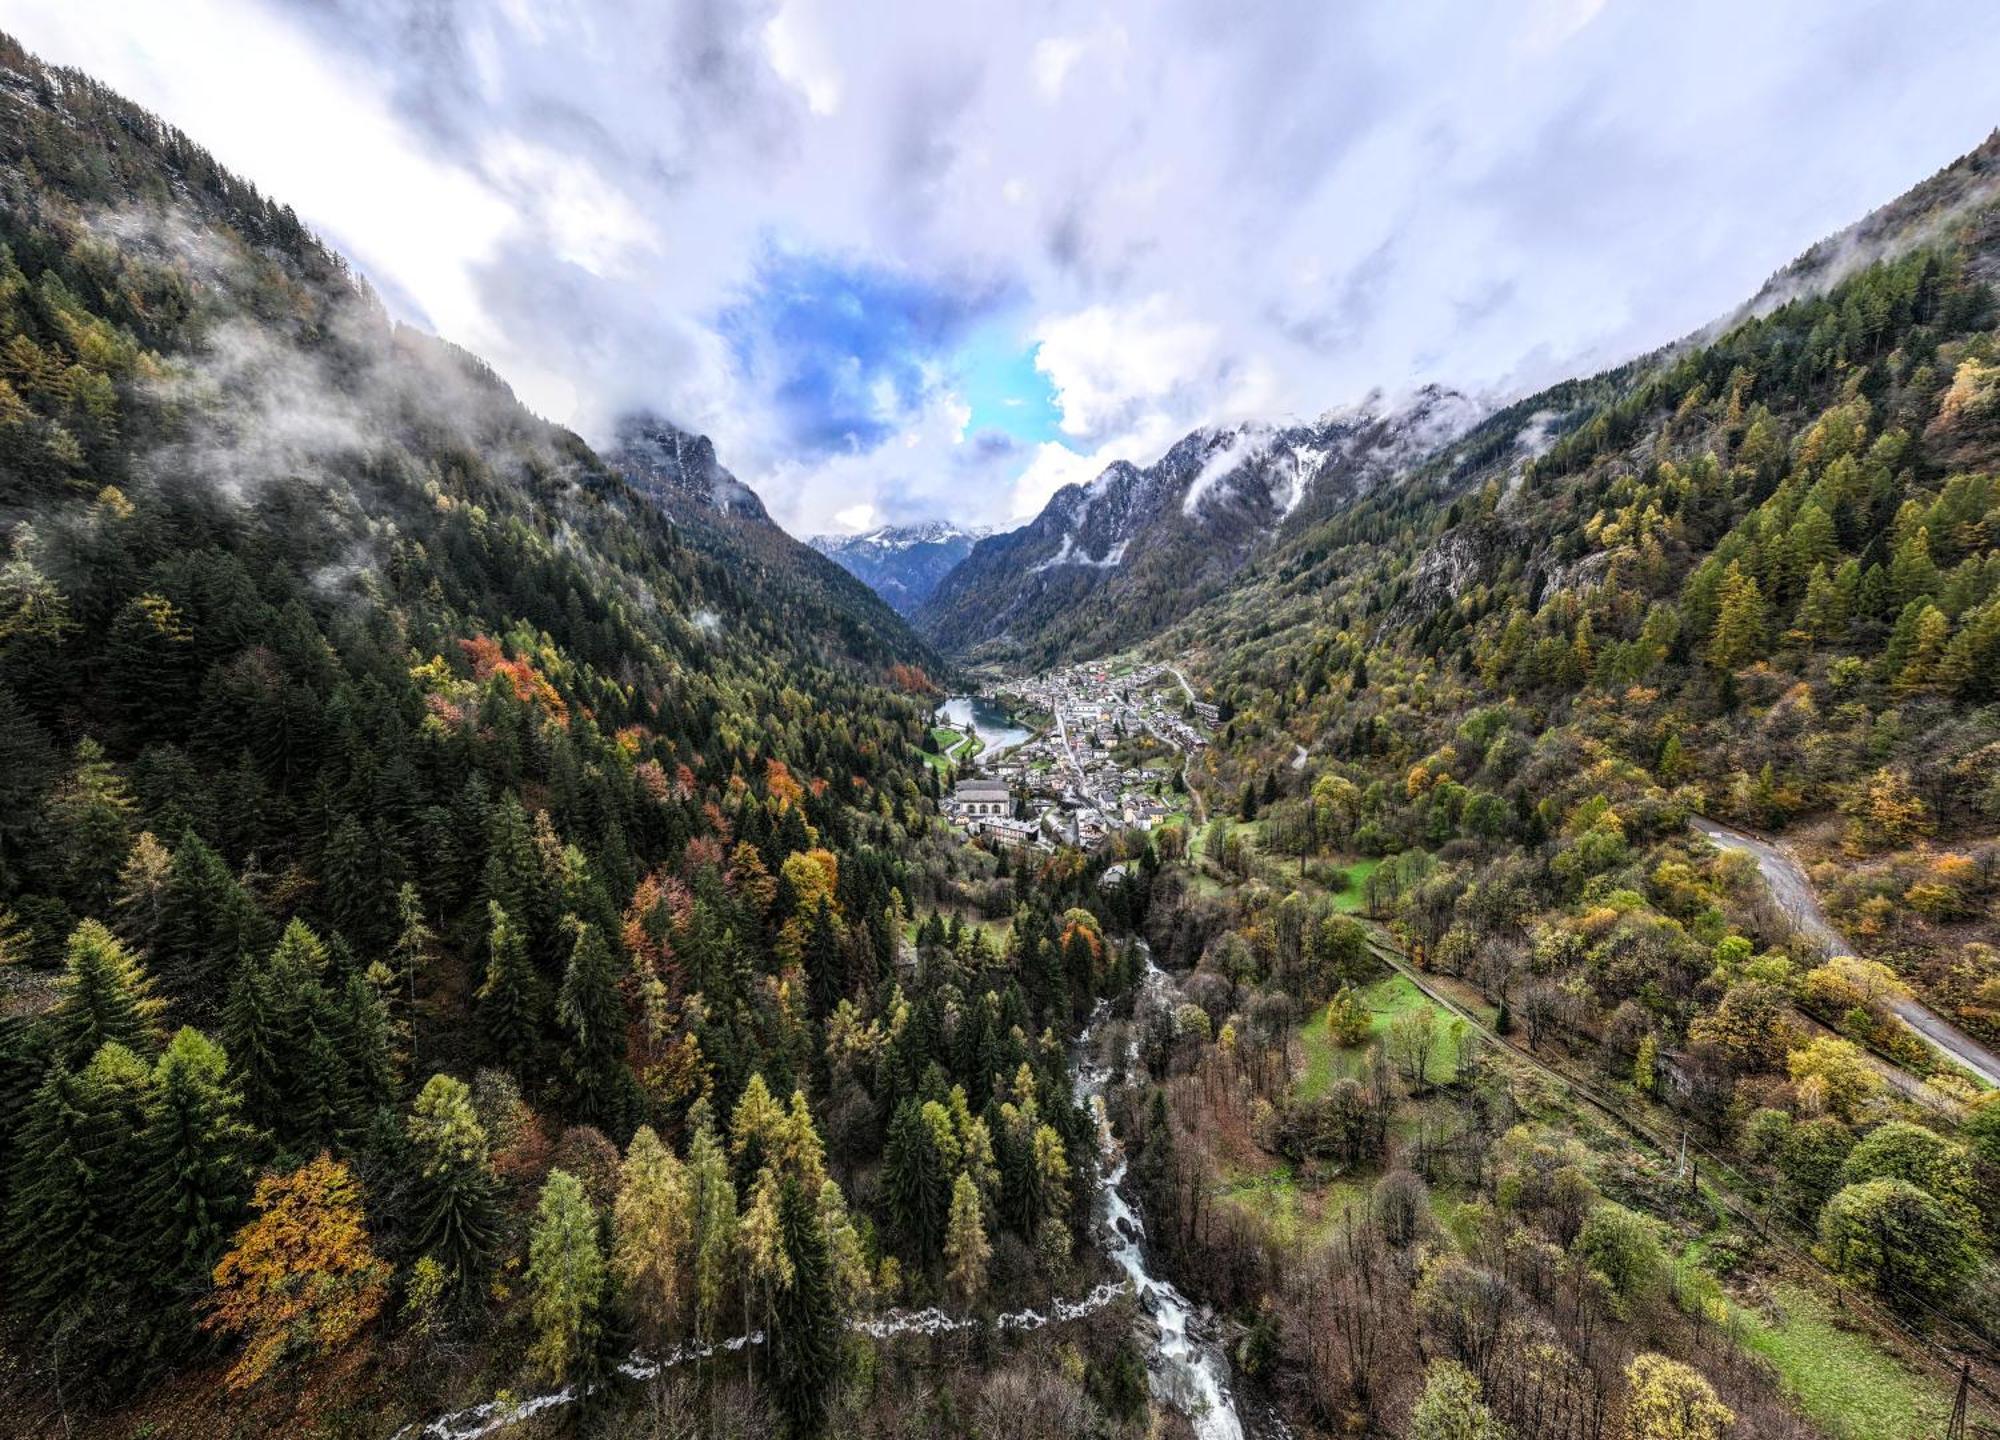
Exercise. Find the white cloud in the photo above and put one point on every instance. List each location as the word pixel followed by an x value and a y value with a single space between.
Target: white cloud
pixel 356 169
pixel 1218 214
pixel 801 62
pixel 1109 364
pixel 589 222
pixel 1552 22
pixel 1058 57
pixel 927 468
pixel 1054 59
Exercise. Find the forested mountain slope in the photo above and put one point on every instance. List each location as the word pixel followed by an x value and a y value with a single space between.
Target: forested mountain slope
pixel 1613 1146
pixel 1769 534
pixel 723 518
pixel 1108 564
pixel 451 903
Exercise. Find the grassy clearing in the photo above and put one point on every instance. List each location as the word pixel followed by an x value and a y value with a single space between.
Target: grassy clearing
pixel 1846 1383
pixel 1387 998
pixel 955 743
pixel 1296 1211
pixel 1350 897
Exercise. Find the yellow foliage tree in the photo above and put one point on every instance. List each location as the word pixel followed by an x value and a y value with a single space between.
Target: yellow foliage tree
pixel 653 1222
pixel 1884 811
pixel 301 1279
pixel 1832 1075
pixel 1672 1401
pixel 966 1249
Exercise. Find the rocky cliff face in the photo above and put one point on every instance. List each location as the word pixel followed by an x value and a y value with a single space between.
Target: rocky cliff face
pixel 664 460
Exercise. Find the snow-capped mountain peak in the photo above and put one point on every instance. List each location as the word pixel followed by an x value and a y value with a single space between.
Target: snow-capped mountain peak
pixel 902 563
pixel 1161 536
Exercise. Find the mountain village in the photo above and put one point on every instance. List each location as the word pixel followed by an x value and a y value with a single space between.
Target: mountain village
pixel 1109 755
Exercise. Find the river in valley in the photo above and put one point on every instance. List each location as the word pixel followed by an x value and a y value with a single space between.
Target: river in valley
pixel 995 727
pixel 1185 1370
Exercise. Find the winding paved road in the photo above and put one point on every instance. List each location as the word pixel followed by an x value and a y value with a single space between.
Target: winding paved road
pixel 1794 894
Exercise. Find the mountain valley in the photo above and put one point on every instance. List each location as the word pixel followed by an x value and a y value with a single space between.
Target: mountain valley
pixel 902 563
pixel 1479 918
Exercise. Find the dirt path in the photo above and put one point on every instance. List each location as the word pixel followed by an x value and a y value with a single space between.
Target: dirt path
pixel 1794 893
pixel 1187 757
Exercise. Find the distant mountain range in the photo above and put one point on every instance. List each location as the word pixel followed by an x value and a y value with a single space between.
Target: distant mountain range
pixel 902 563
pixel 1136 549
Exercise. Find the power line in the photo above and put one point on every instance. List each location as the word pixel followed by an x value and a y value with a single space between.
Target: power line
pixel 1948 1361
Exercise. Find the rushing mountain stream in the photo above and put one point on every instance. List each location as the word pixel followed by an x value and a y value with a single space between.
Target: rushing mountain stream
pixel 1185 1371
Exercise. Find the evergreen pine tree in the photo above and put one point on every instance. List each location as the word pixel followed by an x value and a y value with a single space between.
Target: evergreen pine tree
pixel 918 1178
pixel 327 1115
pixel 512 1000
pixel 208 924
pixel 410 955
pixel 142 888
pixel 107 998
pixel 1912 572
pixel 350 895
pixel 805 1319
pixel 455 1197
pixel 826 970
pixel 74 1236
pixel 361 1029
pixel 196 1183
pixel 593 1024
pixel 92 813
pixel 1739 620
pixel 282 1037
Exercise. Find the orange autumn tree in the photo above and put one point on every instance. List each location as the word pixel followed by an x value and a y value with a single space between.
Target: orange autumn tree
pixel 911 679
pixel 529 685
pixel 301 1279
pixel 783 790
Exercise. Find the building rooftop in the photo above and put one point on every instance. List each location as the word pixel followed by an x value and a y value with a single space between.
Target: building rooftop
pixel 980 790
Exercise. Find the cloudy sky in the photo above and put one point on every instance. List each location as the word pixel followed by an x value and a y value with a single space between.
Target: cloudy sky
pixel 906 259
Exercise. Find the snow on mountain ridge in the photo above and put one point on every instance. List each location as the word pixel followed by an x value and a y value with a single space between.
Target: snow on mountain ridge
pixel 901 563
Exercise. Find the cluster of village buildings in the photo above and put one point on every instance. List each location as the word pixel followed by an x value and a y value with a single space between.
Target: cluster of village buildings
pixel 1067 785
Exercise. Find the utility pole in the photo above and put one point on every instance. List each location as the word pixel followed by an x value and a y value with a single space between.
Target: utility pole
pixel 1956 1429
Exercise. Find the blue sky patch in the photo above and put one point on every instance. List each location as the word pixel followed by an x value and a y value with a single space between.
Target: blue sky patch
pixel 995 374
pixel 848 352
